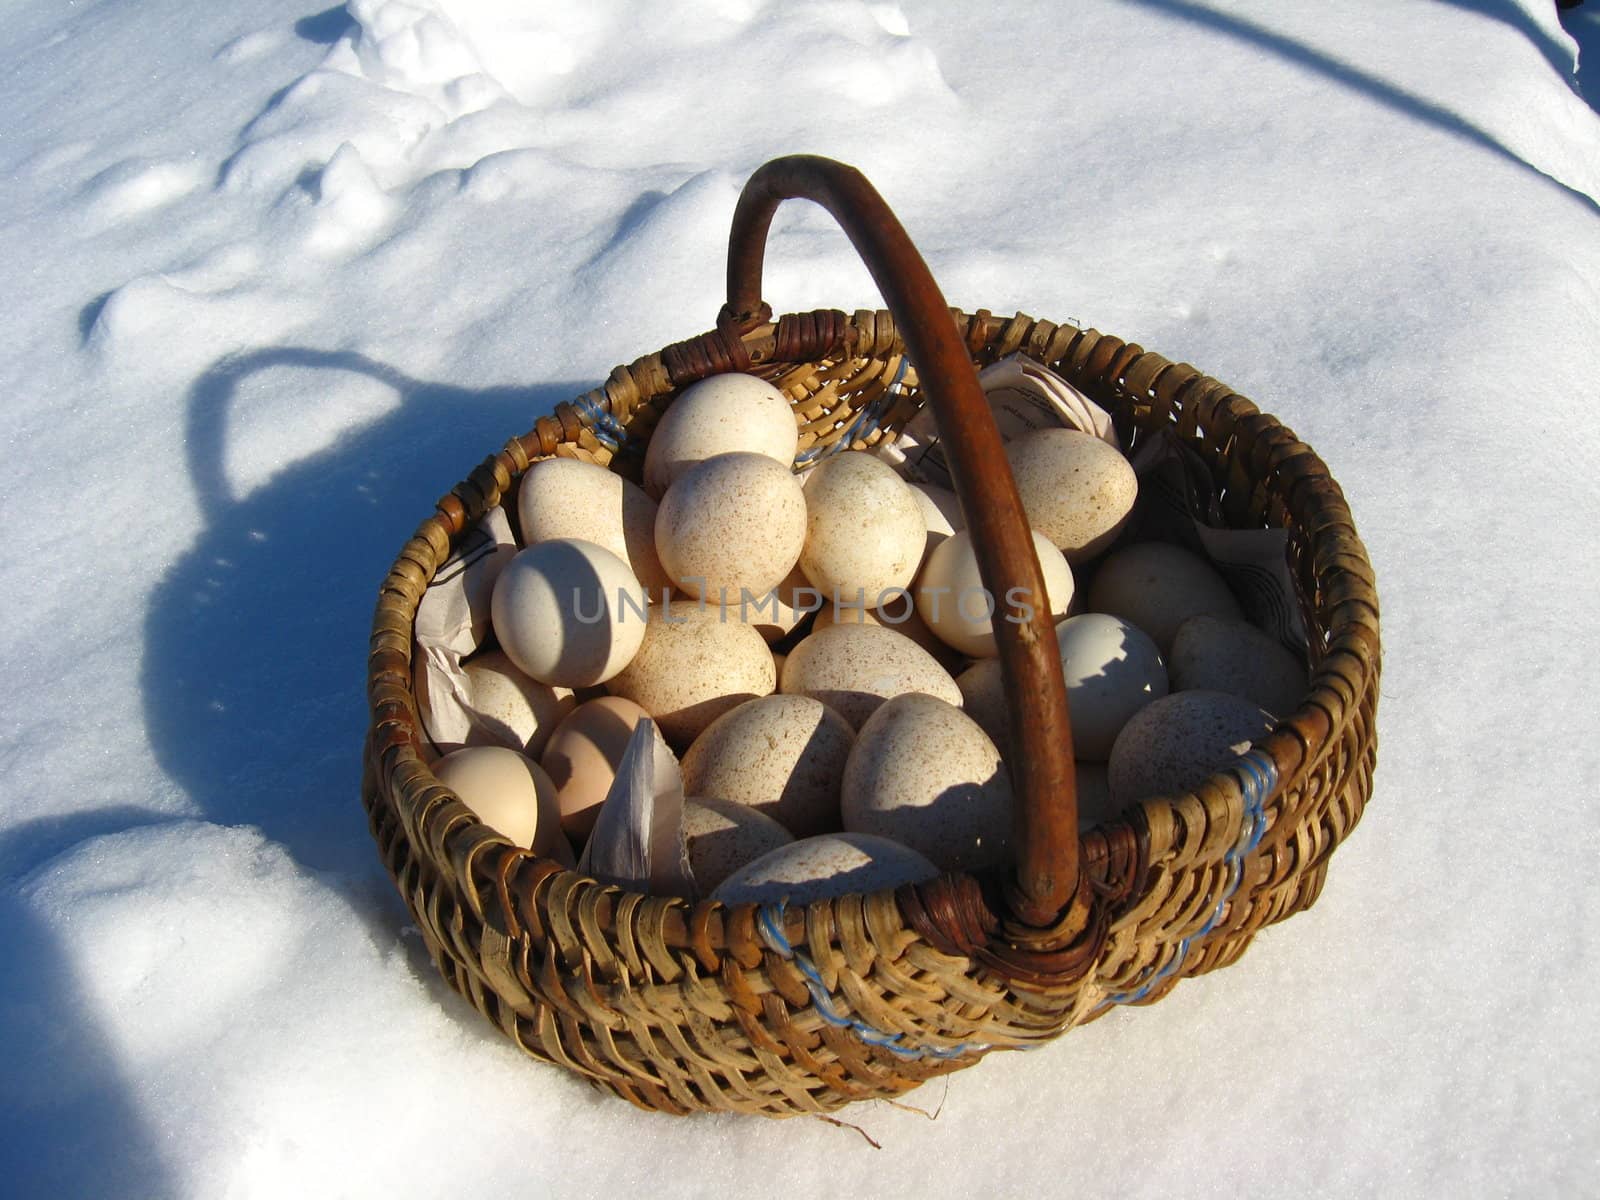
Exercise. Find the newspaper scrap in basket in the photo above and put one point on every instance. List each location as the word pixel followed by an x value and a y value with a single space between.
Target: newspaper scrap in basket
pixel 637 842
pixel 1178 502
pixel 1024 395
pixel 452 622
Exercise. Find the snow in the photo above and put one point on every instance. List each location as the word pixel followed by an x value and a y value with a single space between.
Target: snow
pixel 274 278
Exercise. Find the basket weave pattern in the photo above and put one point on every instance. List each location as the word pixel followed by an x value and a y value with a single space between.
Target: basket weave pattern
pixel 783 1011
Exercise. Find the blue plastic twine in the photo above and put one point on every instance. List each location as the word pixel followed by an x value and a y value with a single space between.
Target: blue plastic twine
pixel 1258 775
pixel 769 920
pixel 606 430
pixel 864 425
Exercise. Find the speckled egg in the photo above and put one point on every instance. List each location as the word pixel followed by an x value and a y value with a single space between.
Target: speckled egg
pixel 1236 657
pixel 692 667
pixel 731 526
pixel 782 755
pixel 864 530
pixel 924 774
pixel 720 415
pixel 582 755
pixel 899 614
pixel 569 612
pixel 1076 489
pixel 566 498
pixel 855 668
pixel 511 794
pixel 1158 586
pixel 953 600
pixel 1172 744
pixel 721 836
pixel 510 709
pixel 821 868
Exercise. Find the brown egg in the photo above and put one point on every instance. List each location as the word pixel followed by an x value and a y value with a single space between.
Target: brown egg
pixel 511 794
pixel 582 755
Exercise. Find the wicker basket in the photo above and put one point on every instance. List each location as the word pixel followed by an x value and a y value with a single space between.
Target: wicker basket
pixel 788 1010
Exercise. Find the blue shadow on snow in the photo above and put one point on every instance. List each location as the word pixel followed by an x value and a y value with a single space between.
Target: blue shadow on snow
pixel 1363 83
pixel 255 640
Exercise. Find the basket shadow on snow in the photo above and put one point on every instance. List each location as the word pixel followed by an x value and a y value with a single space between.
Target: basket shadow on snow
pixel 254 671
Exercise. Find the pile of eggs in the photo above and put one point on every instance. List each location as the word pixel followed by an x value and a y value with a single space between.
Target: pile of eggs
pixel 821 655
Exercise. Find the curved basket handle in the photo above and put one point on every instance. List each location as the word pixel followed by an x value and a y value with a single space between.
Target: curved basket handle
pixel 1040 757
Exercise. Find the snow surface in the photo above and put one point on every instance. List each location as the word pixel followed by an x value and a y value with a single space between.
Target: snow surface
pixel 274 278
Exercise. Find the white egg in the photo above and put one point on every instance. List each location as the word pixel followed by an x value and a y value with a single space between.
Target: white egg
pixel 582 755
pixel 1173 744
pixel 952 598
pixel 569 612
pixel 782 755
pixel 924 774
pixel 825 867
pixel 692 667
pixel 720 415
pixel 1158 586
pixel 1236 657
pixel 864 530
pixel 731 527
pixel 722 836
pixel 567 498
pixel 1077 489
pixel 854 668
pixel 508 708
pixel 511 794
